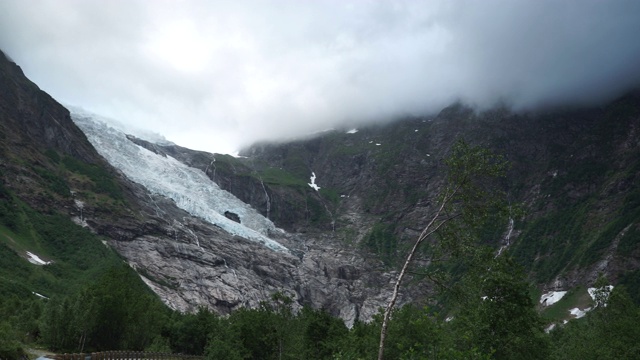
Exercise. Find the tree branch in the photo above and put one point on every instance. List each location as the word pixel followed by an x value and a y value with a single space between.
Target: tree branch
pixel 431 227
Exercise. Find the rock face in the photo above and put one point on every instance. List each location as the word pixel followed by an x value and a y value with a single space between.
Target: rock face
pixel 573 171
pixel 194 252
pixel 31 117
pixel 232 216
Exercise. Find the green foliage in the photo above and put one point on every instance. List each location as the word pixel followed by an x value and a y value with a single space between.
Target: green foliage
pixel 91 307
pixel 553 240
pixel 116 312
pixel 10 348
pixel 54 182
pixel 499 317
pixel 382 242
pixel 630 242
pixel 475 204
pixel 320 334
pixel 609 332
pixel 575 297
pixel 53 155
pixel 77 254
pixel 330 194
pixel 9 215
pixel 189 333
pixel 631 281
pixel 103 181
pixel 281 177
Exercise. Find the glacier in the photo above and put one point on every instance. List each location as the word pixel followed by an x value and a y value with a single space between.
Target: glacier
pixel 188 187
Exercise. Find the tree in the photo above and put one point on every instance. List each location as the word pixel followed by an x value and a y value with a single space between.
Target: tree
pixel 189 333
pixel 321 333
pixel 609 332
pixel 500 319
pixel 9 346
pixel 468 198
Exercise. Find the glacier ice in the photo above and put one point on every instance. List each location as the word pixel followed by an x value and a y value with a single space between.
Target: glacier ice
pixel 189 187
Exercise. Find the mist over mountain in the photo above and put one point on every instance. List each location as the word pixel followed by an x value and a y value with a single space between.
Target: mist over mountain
pixel 219 76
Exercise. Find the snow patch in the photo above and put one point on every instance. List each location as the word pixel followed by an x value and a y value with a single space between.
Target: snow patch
pixel 39 295
pixel 35 259
pixel 606 292
pixel 551 297
pixel 352 131
pixel 592 291
pixel 549 328
pixel 579 313
pixel 313 182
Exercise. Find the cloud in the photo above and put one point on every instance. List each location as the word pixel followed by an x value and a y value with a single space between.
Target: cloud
pixel 218 75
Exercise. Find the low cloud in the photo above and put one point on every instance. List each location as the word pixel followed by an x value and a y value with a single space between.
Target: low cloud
pixel 218 75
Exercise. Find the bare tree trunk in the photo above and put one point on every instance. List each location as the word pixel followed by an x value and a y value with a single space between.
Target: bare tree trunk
pixel 432 227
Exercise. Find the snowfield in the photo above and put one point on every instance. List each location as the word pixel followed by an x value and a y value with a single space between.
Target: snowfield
pixel 579 313
pixel 36 260
pixel 190 188
pixel 551 297
pixel 592 291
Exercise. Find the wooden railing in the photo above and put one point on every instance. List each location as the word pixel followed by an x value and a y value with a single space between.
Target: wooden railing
pixel 126 355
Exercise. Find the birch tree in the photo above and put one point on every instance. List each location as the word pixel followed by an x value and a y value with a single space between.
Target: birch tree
pixel 467 200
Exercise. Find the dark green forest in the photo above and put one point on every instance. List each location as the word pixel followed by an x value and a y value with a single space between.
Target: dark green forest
pixel 118 312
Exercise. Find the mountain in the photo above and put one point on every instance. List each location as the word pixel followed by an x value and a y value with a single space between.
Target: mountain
pixel 575 172
pixel 324 219
pixel 222 253
pixel 178 240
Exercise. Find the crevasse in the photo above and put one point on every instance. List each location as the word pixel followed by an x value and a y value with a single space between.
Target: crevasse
pixel 190 188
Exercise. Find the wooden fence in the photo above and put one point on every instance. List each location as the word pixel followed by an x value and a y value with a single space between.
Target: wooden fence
pixel 126 355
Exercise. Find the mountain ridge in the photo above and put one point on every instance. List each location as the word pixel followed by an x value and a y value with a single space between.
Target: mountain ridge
pixel 563 161
pixel 574 170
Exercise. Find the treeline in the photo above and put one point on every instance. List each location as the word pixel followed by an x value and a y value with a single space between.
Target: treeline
pixel 119 313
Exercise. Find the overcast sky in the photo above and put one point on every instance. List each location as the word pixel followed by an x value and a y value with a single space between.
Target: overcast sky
pixel 217 75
